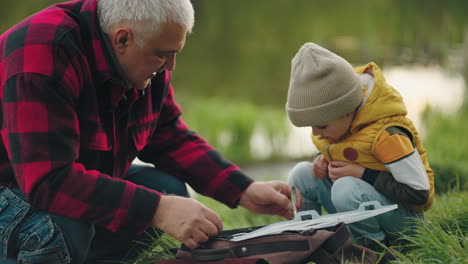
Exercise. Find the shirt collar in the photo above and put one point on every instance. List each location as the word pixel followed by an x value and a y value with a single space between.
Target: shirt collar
pixel 107 72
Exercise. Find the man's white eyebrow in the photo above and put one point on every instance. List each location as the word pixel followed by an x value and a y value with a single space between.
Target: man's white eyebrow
pixel 168 51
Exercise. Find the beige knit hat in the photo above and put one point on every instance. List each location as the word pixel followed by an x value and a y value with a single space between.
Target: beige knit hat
pixel 323 87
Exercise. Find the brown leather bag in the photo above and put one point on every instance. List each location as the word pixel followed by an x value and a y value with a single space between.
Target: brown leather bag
pixel 325 246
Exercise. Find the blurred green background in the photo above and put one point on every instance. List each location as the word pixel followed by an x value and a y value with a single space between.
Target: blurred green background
pixel 242 49
pixel 232 77
pixel 232 80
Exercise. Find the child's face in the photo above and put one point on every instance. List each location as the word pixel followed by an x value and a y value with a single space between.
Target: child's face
pixel 334 130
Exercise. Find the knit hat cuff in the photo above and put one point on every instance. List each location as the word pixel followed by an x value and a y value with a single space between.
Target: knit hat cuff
pixel 325 113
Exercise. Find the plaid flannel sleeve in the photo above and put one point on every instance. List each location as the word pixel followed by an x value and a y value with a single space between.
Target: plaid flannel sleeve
pixel 42 137
pixel 182 153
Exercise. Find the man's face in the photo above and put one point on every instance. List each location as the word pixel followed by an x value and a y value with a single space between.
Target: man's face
pixel 140 64
pixel 334 130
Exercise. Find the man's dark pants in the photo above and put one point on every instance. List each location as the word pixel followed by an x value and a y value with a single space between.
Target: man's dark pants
pixel 29 235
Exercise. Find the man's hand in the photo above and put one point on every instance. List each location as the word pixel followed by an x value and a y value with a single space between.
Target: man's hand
pixel 338 169
pixel 320 167
pixel 269 198
pixel 187 220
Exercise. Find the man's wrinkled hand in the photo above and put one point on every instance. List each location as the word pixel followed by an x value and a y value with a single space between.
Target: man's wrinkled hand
pixel 270 198
pixel 187 220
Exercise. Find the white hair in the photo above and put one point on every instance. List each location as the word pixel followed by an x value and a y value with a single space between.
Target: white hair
pixel 113 13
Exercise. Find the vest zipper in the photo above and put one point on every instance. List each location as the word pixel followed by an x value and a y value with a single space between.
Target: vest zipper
pixel 328 152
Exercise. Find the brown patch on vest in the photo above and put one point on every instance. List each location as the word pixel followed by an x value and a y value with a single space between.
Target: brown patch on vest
pixel 369 70
pixel 351 154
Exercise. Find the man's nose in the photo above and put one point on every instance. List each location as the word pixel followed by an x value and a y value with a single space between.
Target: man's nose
pixel 170 63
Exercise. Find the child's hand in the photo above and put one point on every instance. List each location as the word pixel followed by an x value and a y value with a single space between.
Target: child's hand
pixel 320 167
pixel 338 169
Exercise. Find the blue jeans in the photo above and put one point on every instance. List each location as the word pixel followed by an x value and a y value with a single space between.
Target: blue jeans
pixel 29 235
pixel 346 194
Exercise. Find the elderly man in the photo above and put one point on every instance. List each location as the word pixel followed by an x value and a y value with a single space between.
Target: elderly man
pixel 86 89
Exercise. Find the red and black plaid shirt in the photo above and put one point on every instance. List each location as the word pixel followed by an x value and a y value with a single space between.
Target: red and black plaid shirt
pixel 71 127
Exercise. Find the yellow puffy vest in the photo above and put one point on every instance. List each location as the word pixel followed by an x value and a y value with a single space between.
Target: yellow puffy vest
pixel 383 108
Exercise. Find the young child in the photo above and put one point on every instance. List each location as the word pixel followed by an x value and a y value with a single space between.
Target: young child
pixel 369 149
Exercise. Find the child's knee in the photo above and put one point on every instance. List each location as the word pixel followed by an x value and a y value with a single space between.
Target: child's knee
pixel 343 193
pixel 300 171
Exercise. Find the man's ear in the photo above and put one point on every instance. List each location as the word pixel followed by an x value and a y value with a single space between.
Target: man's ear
pixel 121 39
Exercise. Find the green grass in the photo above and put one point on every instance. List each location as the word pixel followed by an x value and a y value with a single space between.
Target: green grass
pixel 157 250
pixel 239 217
pixel 229 126
pixel 446 145
pixel 440 238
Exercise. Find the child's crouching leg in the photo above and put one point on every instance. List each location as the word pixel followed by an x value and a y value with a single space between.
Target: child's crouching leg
pixel 315 192
pixel 347 194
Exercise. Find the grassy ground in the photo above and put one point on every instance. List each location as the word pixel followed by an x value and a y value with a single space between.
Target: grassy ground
pixel 441 238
